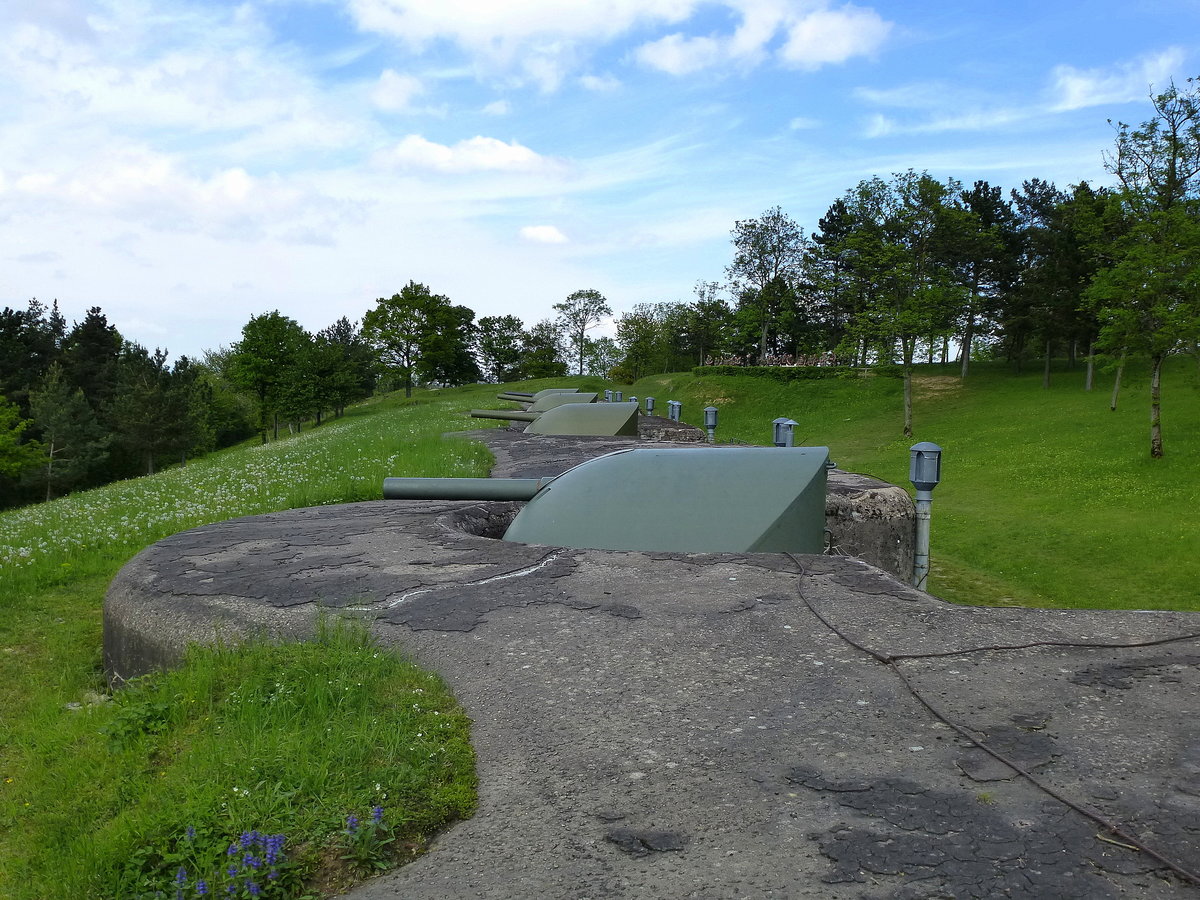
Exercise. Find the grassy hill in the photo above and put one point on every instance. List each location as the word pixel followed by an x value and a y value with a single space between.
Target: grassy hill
pixel 1048 498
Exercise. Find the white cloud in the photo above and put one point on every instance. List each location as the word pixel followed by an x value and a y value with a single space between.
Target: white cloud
pixel 542 41
pixel 814 35
pixel 679 55
pixel 600 83
pixel 497 108
pixel 543 234
pixel 834 36
pixel 477 154
pixel 394 92
pixel 803 123
pixel 1123 83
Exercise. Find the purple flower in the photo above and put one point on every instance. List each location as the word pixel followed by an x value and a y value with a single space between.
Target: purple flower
pixel 232 871
pixel 377 815
pixel 191 833
pixel 273 846
pixel 181 875
pixel 251 862
pixel 351 824
pixel 253 889
pixel 201 888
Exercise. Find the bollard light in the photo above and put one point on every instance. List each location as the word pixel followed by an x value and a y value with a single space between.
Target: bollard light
pixel 784 434
pixel 649 406
pixel 924 471
pixel 618 396
pixel 674 410
pixel 608 396
pixel 710 422
pixel 632 400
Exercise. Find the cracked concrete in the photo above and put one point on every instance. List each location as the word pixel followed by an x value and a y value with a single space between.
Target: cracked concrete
pixel 720 725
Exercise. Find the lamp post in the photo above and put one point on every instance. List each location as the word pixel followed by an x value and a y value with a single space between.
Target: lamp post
pixel 784 436
pixel 710 422
pixel 924 471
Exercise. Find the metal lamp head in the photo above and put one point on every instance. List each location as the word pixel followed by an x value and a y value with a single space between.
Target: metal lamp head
pixel 784 436
pixel 608 396
pixel 710 417
pixel 925 466
pixel 618 396
pixel 649 406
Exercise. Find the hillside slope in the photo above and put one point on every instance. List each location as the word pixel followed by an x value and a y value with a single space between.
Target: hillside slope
pixel 1048 498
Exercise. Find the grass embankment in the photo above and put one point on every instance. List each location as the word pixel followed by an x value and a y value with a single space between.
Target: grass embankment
pixel 1048 498
pixel 110 798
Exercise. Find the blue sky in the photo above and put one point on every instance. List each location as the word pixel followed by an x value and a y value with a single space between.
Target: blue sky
pixel 186 165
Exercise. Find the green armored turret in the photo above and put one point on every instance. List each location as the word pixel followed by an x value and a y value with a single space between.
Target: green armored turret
pixel 711 500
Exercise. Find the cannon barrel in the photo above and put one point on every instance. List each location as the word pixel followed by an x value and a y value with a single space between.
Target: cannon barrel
pixel 515 415
pixel 463 488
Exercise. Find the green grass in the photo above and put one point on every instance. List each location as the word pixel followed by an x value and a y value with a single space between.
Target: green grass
pixel 96 793
pixel 1048 498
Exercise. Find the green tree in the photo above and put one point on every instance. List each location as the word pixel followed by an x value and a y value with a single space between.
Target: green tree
pixel 264 360
pixel 445 344
pixel 16 455
pixel 577 315
pixel 899 235
pixel 30 340
pixel 984 253
pixel 344 366
pixel 1149 298
pixel 498 341
pixel 541 352
pixel 154 412
pixel 74 445
pixel 421 336
pixel 767 263
pixel 707 319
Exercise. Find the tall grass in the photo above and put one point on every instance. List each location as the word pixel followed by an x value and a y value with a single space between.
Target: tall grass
pixel 97 794
pixel 1048 498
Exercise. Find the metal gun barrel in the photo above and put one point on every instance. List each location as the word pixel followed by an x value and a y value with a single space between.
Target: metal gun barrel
pixel 516 415
pixel 462 488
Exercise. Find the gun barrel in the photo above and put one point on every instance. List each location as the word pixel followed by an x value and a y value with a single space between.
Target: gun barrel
pixel 462 488
pixel 516 415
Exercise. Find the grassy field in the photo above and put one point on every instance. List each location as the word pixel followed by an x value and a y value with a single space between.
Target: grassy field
pixel 1048 498
pixel 121 797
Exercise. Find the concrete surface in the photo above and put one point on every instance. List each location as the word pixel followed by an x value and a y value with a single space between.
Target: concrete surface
pixel 718 726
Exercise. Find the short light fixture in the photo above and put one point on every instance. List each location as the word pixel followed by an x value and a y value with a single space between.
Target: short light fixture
pixel 608 396
pixel 674 410
pixel 632 400
pixel 924 471
pixel 784 433
pixel 618 396
pixel 649 406
pixel 710 422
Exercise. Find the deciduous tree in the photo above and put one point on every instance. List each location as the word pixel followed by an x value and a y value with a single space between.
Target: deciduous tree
pixel 577 315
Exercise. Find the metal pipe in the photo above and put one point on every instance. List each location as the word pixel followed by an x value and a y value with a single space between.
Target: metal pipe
pixel 515 415
pixel 463 488
pixel 924 506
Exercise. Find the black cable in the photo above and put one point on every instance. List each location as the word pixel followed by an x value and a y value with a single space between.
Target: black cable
pixel 890 662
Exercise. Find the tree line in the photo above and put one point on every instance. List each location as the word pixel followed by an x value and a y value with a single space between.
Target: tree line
pixel 912 268
pixel 899 270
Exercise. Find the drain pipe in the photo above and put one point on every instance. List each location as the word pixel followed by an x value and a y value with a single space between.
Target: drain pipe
pixel 924 471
